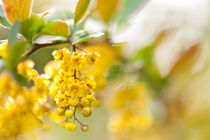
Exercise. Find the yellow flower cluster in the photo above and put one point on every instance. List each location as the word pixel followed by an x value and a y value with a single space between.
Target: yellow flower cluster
pixel 21 107
pixel 72 89
pixel 130 113
pixel 26 68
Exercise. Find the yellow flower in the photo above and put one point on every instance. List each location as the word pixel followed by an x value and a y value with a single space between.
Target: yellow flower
pixel 130 111
pixel 25 68
pixel 24 103
pixel 70 126
pixel 90 58
pixel 3 49
pixel 61 100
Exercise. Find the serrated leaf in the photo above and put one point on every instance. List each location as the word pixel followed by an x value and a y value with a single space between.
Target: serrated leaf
pixel 58 28
pixel 80 10
pixel 86 36
pixel 107 8
pixel 17 9
pixel 4 32
pixel 32 26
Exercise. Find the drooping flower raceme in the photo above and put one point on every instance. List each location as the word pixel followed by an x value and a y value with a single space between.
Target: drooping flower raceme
pixel 72 89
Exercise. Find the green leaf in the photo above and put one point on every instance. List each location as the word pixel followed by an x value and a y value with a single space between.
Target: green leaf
pixel 12 37
pixel 16 47
pixel 129 7
pixel 114 72
pixel 86 36
pixel 14 54
pixel 4 32
pixel 58 28
pixel 80 10
pixel 149 71
pixel 32 26
pixel 19 78
pixel 74 28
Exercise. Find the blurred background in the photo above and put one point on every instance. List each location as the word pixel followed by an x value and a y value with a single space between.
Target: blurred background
pixel 159 49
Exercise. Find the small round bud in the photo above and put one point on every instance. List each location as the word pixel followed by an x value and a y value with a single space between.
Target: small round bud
pixel 61 111
pixel 84 128
pixel 69 113
pixel 63 123
pixel 86 111
pixel 71 126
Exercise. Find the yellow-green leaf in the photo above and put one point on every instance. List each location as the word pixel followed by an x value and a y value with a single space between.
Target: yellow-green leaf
pixel 58 28
pixel 17 9
pixel 107 8
pixel 80 10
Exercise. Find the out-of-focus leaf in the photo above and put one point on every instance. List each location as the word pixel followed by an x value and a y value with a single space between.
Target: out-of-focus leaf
pixel 114 72
pixel 32 26
pixel 12 38
pixel 107 8
pixel 148 68
pixel 17 9
pixel 58 28
pixel 20 79
pixel 128 7
pixel 86 36
pixel 186 60
pixel 14 54
pixel 4 32
pixel 74 28
pixel 3 19
pixel 80 10
pixel 16 47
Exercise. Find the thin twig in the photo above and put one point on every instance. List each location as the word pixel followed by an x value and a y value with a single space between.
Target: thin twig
pixel 81 49
pixel 75 118
pixel 39 46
